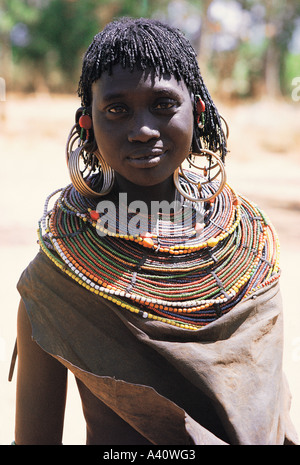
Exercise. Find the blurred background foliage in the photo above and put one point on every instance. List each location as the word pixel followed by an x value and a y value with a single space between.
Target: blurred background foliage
pixel 246 48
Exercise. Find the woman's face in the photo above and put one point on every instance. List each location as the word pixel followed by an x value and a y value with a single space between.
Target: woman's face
pixel 143 124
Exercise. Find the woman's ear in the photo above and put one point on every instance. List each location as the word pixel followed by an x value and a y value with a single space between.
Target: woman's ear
pixel 91 145
pixel 196 145
pixel 78 114
pixel 80 111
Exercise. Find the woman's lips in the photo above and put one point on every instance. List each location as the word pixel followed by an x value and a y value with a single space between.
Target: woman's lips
pixel 146 159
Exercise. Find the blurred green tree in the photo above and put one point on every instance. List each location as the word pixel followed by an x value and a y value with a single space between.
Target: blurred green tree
pixel 252 44
pixel 50 36
pixel 243 45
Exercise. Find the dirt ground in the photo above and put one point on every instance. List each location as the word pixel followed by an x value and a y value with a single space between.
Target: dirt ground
pixel 263 164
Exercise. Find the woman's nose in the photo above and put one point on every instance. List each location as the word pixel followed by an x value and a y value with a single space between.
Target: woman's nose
pixel 143 128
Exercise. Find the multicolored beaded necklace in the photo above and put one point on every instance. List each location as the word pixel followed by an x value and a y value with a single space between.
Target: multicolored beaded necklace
pixel 183 278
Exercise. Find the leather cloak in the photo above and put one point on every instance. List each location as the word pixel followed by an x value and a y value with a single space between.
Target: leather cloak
pixel 220 384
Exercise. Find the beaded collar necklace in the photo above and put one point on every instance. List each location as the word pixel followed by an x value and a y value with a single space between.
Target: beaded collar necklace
pixel 187 279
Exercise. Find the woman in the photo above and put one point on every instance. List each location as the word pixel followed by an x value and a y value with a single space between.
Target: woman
pixel 156 286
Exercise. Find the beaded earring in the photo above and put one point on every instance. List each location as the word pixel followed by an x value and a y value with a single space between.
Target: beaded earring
pixel 91 160
pixel 200 109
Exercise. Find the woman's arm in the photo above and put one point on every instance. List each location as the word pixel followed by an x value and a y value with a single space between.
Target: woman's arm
pixel 41 390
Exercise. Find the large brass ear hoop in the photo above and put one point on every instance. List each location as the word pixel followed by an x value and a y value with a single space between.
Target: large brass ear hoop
pixel 186 185
pixel 78 156
pixel 226 127
pixel 72 138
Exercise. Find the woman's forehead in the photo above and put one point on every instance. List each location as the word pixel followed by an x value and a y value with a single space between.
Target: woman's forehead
pixel 123 80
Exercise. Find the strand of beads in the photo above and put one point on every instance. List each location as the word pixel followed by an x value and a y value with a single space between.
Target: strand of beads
pixel 191 288
pixel 172 236
pixel 98 290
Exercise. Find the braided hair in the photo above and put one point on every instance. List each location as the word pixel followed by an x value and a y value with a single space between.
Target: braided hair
pixel 147 43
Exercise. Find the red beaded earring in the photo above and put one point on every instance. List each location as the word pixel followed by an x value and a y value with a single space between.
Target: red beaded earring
pixel 200 109
pixel 85 122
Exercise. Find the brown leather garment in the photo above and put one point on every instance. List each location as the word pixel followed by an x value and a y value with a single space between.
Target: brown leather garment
pixel 221 384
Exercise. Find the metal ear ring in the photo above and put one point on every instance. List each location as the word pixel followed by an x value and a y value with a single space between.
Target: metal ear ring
pixel 226 127
pixel 203 188
pixel 80 132
pixel 89 160
pixel 81 183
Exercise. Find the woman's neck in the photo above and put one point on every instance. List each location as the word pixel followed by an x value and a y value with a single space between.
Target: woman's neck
pixel 147 194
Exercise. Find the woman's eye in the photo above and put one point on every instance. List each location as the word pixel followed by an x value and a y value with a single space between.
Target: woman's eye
pixel 166 105
pixel 116 109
